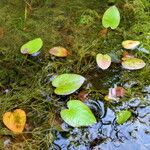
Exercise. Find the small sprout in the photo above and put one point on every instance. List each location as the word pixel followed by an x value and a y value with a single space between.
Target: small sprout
pixel 59 51
pixel 103 61
pixel 111 18
pixel 15 121
pixel 78 114
pixel 123 116
pixel 133 63
pixel 130 44
pixel 32 46
pixel 67 83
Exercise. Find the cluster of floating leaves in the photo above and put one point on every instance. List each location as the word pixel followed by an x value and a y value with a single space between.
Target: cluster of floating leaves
pixel 77 114
pixel 128 62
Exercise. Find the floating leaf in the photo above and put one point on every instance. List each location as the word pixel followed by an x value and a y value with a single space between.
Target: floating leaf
pixel 111 18
pixel 78 114
pixel 58 51
pixel 32 46
pixel 103 61
pixel 133 63
pixel 15 121
pixel 67 83
pixel 123 116
pixel 130 44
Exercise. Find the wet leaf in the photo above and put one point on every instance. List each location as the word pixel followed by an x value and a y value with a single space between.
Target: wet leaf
pixel 103 61
pixel 67 83
pixel 32 46
pixel 123 116
pixel 133 63
pixel 111 18
pixel 15 121
pixel 59 52
pixel 130 44
pixel 78 114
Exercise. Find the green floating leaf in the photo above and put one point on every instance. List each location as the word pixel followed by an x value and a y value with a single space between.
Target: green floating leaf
pixel 67 83
pixel 111 18
pixel 133 63
pixel 123 116
pixel 78 114
pixel 103 61
pixel 32 46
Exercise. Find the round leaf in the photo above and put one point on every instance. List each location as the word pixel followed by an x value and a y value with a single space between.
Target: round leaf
pixel 123 116
pixel 67 83
pixel 15 121
pixel 78 114
pixel 32 46
pixel 58 51
pixel 111 18
pixel 130 44
pixel 103 61
pixel 133 63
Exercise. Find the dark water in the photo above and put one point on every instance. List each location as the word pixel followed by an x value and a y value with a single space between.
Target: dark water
pixel 107 134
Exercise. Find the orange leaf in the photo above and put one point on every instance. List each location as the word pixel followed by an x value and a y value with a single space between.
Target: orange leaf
pixel 59 52
pixel 103 61
pixel 15 121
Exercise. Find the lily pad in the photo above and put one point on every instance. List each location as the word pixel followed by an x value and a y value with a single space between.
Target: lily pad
pixel 133 63
pixel 130 44
pixel 78 114
pixel 58 51
pixel 111 18
pixel 103 61
pixel 67 83
pixel 123 116
pixel 32 46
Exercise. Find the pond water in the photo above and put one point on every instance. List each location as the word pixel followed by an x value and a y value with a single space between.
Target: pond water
pixel 25 80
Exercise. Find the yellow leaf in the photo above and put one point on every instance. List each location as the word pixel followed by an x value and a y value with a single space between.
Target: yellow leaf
pixel 59 52
pixel 15 121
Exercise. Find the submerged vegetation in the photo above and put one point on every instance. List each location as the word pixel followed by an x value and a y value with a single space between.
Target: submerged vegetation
pixel 26 80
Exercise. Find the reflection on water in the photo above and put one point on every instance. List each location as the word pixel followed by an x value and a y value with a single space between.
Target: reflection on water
pixel 106 134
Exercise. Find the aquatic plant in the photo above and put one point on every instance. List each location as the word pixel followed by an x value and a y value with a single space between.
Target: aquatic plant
pixel 67 83
pixel 32 46
pixel 103 61
pixel 123 116
pixel 77 114
pixel 111 18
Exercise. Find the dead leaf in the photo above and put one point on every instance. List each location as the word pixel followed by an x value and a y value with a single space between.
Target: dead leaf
pixel 103 32
pixel 127 55
pixel 15 121
pixel 115 93
pixel 59 51
pixel 103 61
